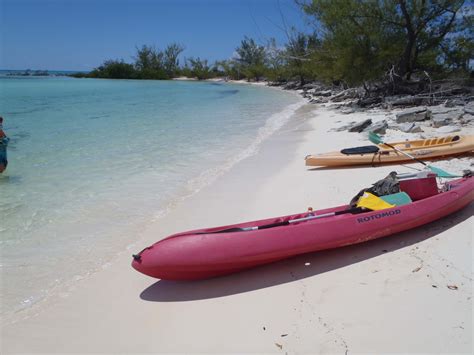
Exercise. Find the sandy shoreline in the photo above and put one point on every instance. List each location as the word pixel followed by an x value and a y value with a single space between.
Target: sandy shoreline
pixel 388 295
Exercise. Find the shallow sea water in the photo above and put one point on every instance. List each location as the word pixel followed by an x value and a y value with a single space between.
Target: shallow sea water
pixel 91 162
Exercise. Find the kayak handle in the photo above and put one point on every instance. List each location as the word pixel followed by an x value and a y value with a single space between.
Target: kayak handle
pixel 138 257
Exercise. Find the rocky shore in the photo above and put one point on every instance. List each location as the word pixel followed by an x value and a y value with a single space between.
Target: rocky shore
pixel 447 108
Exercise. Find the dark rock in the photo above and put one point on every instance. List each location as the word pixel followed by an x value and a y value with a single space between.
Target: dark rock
pixel 347 110
pixel 454 102
pixel 441 109
pixel 378 127
pixel 310 86
pixel 410 127
pixel 292 85
pixel 368 101
pixel 346 94
pixel 441 120
pixel 319 100
pixel 469 108
pixel 322 93
pixel 458 90
pixel 435 110
pixel 448 129
pixel 343 128
pixel 360 126
pixel 413 114
pixel 467 119
pixel 403 100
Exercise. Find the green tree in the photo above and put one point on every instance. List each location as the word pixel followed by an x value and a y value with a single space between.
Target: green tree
pixel 426 24
pixel 199 68
pixel 229 68
pixel 365 38
pixel 170 58
pixel 251 58
pixel 458 53
pixel 114 69
pixel 355 45
pixel 458 50
pixel 276 62
pixel 149 63
pixel 300 51
pixel 144 57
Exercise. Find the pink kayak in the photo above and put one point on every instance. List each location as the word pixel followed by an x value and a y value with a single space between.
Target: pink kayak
pixel 211 252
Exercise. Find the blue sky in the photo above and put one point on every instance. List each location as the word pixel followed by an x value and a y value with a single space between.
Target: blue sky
pixel 81 34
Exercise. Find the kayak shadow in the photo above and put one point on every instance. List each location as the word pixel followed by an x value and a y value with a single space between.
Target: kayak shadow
pixel 298 267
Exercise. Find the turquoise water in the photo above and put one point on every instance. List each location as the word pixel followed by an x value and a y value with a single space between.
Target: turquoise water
pixel 91 162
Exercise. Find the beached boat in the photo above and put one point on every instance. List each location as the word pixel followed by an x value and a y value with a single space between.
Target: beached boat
pixel 222 250
pixel 432 148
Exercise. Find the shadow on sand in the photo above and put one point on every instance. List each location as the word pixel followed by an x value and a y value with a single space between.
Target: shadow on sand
pixel 298 267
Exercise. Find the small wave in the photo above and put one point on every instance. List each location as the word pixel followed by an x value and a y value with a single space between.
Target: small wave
pixel 272 125
pixel 23 112
pixel 98 116
pixel 229 92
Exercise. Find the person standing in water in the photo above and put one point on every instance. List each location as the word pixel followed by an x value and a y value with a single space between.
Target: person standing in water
pixel 3 148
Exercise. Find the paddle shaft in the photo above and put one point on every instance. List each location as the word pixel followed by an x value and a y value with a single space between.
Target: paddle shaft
pixel 285 223
pixel 374 138
pixel 291 221
pixel 404 153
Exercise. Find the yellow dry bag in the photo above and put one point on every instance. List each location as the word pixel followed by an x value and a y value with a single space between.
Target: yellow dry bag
pixel 372 202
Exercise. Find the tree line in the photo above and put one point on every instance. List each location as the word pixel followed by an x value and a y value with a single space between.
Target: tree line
pixel 355 42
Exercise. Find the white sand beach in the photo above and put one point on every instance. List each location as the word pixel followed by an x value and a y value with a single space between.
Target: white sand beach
pixel 407 293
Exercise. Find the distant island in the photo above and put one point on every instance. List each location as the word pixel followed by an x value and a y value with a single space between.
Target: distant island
pixel 37 72
pixel 29 72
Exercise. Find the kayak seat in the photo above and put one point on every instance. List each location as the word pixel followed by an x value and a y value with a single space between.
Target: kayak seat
pixel 361 150
pixel 398 199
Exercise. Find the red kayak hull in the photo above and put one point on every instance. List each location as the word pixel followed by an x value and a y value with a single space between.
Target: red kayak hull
pixel 201 254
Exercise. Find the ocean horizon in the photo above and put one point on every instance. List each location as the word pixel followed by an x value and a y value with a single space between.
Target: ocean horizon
pixel 51 71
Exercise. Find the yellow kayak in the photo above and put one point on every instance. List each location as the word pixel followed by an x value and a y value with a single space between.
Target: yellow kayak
pixel 425 149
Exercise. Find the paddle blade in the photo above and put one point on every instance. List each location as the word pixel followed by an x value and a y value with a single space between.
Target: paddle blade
pixel 441 172
pixel 374 138
pixel 397 199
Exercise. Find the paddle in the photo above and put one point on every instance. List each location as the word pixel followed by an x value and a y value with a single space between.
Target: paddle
pixel 374 138
pixel 286 223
